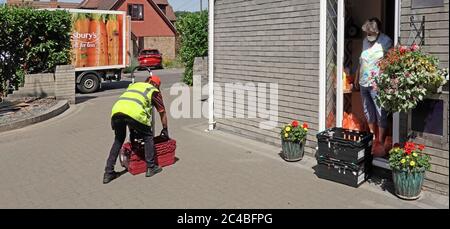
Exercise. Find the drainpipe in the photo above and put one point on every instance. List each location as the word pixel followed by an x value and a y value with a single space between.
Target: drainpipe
pixel 396 116
pixel 211 65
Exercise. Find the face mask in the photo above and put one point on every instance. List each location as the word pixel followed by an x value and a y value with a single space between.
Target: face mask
pixel 372 38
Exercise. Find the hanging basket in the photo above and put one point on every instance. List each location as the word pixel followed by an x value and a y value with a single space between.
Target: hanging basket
pixel 293 151
pixel 408 185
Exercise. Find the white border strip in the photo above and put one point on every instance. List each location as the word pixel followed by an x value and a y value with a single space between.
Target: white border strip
pixel 100 68
pixel 92 11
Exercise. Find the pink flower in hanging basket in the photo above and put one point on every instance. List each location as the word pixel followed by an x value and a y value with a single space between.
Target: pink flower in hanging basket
pixel 414 47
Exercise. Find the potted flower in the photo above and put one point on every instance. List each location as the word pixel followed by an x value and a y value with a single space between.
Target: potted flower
pixel 293 139
pixel 407 76
pixel 408 169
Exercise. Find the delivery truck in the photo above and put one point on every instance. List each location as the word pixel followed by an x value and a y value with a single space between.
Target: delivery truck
pixel 100 46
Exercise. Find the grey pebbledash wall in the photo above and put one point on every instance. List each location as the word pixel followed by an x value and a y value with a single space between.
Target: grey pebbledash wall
pixel 436 43
pixel 269 41
pixel 60 85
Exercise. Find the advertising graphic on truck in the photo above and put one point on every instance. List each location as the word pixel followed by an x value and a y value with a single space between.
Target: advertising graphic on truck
pixel 100 46
pixel 98 39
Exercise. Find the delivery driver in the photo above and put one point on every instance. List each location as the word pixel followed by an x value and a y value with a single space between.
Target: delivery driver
pixel 134 109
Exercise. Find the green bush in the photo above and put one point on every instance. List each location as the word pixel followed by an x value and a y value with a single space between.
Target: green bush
pixel 32 41
pixel 193 31
pixel 133 64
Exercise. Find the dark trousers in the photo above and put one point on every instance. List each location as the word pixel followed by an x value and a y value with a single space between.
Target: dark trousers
pixel 119 124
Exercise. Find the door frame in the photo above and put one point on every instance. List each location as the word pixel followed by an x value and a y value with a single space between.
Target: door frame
pixel 340 61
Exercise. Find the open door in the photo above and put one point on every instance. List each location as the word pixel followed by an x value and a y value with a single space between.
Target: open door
pixel 331 64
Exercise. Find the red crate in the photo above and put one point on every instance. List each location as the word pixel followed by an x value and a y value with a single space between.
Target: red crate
pixel 133 159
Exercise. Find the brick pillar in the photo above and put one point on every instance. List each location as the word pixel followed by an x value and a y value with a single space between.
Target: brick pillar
pixel 65 83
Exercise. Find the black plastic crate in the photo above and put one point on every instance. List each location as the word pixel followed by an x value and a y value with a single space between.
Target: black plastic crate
pixel 345 145
pixel 344 172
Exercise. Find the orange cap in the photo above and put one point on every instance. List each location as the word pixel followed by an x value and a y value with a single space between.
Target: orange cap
pixel 156 80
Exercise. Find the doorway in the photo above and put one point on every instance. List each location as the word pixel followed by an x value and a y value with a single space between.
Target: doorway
pixel 342 39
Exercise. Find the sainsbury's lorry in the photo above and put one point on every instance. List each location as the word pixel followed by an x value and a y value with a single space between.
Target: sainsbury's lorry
pixel 100 46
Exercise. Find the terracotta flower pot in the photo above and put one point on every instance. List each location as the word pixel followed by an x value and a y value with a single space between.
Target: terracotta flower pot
pixel 293 151
pixel 408 185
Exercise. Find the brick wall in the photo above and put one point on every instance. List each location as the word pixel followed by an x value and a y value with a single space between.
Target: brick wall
pixel 65 83
pixel 436 43
pixel 165 45
pixel 60 85
pixel 436 28
pixel 270 41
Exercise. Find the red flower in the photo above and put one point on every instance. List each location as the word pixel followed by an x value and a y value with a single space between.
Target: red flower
pixel 415 47
pixel 408 151
pixel 421 147
pixel 410 146
pixel 305 125
pixel 294 123
pixel 403 49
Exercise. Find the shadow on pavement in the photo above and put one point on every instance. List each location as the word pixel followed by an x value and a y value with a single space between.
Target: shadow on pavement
pixel 83 98
pixel 383 179
pixel 115 85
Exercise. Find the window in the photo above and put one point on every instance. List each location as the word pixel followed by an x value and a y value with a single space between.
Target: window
pixel 428 117
pixel 163 8
pixel 150 52
pixel 136 11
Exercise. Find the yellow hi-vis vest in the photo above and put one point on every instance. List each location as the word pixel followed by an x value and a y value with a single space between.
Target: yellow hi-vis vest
pixel 136 102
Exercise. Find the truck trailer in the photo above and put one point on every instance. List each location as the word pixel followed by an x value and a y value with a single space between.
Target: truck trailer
pixel 100 46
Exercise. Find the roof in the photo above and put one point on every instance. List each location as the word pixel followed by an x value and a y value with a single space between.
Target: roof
pixel 161 2
pixel 110 4
pixel 169 17
pixel 40 5
pixel 89 4
pixel 98 4
pixel 171 14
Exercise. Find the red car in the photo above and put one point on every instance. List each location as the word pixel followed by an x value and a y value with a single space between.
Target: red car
pixel 150 58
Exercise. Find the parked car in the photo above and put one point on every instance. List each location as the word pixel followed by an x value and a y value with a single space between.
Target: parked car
pixel 150 58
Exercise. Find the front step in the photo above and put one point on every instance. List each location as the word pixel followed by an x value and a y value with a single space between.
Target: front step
pixel 381 163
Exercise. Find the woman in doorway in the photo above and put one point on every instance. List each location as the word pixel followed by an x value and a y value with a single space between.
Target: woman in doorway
pixel 375 46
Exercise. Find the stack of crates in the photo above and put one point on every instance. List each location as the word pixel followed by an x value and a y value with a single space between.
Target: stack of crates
pixel 344 156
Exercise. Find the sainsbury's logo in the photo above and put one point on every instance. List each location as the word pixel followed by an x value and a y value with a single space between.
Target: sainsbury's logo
pixel 84 40
pixel 88 36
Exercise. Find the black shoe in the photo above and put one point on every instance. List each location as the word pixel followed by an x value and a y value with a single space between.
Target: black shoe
pixel 108 177
pixel 153 170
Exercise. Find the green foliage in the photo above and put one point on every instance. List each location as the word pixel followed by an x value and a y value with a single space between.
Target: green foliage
pixel 409 158
pixel 32 41
pixel 193 31
pixel 133 64
pixel 294 132
pixel 408 76
pixel 180 14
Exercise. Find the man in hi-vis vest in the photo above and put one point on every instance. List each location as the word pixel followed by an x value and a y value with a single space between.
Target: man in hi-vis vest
pixel 134 109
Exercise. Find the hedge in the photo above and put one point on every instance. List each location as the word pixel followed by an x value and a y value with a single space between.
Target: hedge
pixel 32 41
